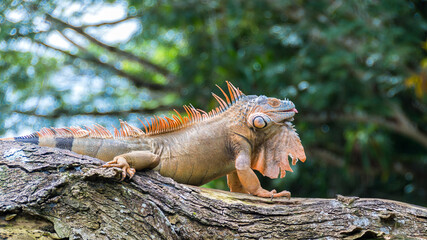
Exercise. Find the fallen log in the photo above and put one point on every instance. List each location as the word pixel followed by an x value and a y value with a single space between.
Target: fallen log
pixel 48 193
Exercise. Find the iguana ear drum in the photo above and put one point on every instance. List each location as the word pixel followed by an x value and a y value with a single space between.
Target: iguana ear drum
pixel 259 120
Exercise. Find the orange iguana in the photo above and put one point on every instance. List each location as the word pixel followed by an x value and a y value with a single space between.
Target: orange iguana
pixel 244 133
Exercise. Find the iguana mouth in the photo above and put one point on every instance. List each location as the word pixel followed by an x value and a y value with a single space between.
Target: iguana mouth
pixel 282 111
pixel 291 118
pixel 291 110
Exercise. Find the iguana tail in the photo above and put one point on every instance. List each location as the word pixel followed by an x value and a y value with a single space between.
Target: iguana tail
pixel 95 142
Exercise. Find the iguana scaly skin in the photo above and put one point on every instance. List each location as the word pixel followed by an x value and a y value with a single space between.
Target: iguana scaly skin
pixel 244 133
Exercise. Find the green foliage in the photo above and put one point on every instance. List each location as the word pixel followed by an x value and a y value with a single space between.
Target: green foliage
pixel 355 70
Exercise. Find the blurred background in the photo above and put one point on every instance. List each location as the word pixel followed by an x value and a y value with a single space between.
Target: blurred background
pixel 356 70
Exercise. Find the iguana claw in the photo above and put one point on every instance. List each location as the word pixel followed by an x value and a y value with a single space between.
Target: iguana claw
pixel 285 193
pixel 121 162
pixel 272 194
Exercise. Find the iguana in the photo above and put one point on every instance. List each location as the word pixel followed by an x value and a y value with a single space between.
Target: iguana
pixel 242 134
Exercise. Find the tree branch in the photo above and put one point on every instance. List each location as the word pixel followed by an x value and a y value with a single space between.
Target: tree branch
pixel 404 125
pixel 136 80
pixel 328 157
pixel 152 66
pixel 400 123
pixel 57 114
pixel 108 23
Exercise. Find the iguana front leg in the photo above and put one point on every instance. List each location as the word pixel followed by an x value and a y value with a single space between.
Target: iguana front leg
pixel 248 178
pixel 234 183
pixel 132 161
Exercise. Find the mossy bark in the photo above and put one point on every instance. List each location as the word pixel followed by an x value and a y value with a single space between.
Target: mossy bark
pixel 49 193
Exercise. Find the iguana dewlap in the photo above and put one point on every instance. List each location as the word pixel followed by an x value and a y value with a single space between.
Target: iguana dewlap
pixel 244 133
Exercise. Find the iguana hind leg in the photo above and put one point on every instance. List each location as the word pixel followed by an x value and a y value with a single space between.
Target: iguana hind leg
pixel 132 161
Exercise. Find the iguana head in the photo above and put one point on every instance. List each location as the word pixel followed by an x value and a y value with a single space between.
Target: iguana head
pixel 268 111
pixel 274 136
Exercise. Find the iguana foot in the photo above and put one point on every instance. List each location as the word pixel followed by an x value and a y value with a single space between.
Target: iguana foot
pixel 272 194
pixel 121 162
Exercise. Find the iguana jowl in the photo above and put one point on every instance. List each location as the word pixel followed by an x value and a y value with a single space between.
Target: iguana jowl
pixel 244 133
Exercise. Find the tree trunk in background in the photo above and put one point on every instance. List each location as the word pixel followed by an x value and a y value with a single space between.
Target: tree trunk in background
pixel 48 193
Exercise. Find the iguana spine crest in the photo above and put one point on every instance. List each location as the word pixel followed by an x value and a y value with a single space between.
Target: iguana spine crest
pixel 152 126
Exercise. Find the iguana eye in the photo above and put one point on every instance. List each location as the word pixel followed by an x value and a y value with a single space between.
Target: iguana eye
pixel 274 102
pixel 259 122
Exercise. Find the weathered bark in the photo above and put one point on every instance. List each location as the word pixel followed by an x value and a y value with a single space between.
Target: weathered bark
pixel 51 193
